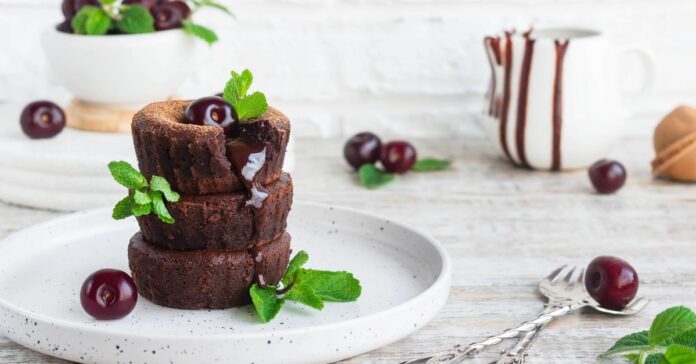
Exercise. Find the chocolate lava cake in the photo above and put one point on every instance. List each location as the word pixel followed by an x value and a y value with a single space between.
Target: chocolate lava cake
pixel 229 229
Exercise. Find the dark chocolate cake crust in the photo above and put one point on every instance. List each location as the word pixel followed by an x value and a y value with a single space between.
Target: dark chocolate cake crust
pixel 205 278
pixel 194 158
pixel 221 221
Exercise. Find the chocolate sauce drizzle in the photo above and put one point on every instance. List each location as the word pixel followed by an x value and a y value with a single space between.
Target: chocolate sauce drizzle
pixel 248 158
pixel 522 99
pixel 506 95
pixel 557 113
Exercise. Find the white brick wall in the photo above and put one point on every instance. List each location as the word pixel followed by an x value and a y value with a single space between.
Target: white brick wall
pixel 402 67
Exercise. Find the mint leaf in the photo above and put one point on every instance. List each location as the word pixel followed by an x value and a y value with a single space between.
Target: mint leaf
pixel 373 177
pixel 215 5
pixel 654 358
pixel 252 106
pixel 97 22
pixel 430 164
pixel 141 198
pixel 135 19
pixel 142 210
pixel 159 208
pixel 633 343
pixel 107 2
pixel 687 339
pixel 671 323
pixel 160 184
pixel 330 286
pixel 677 354
pixel 123 208
pixel 127 176
pixel 200 31
pixel 296 263
pixel 306 295
pixel 235 93
pixel 266 302
pixel 79 21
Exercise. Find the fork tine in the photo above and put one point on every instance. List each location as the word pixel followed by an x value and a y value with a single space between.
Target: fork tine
pixel 579 280
pixel 565 282
pixel 638 305
pixel 555 274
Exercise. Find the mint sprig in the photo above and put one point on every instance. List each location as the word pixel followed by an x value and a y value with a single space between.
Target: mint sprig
pixel 431 164
pixel 91 20
pixel 372 177
pixel 200 31
pixel 143 197
pixel 247 106
pixel 309 287
pixel 671 339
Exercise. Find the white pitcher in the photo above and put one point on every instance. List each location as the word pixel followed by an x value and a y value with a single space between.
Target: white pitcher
pixel 554 101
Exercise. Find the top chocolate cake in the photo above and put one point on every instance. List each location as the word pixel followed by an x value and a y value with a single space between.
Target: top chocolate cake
pixel 202 160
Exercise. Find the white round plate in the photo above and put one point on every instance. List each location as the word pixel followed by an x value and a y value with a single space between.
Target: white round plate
pixel 405 277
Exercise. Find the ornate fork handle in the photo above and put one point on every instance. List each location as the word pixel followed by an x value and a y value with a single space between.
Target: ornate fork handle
pixel 459 353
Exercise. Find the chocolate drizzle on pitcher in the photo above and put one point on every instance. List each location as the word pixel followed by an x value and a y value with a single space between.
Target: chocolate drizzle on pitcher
pixel 557 113
pixel 522 99
pixel 506 94
pixel 248 158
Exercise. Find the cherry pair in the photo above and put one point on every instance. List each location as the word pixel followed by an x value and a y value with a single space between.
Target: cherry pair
pixel 365 148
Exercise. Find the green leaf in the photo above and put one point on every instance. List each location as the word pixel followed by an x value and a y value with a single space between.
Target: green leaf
pixel 135 19
pixel 671 323
pixel 330 286
pixel 160 209
pixel 305 294
pixel 633 343
pixel 296 263
pixel 123 208
pixel 98 21
pixel 430 164
pixel 677 354
pixel 127 176
pixel 107 2
pixel 235 93
pixel 654 358
pixel 252 106
pixel 266 302
pixel 373 177
pixel 687 339
pixel 216 5
pixel 142 210
pixel 141 198
pixel 160 184
pixel 206 34
pixel 79 21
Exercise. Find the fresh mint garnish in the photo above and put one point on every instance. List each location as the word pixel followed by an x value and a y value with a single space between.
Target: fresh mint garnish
pixel 670 340
pixel 200 31
pixel 247 106
pixel 430 164
pixel 135 19
pixel 143 198
pixel 373 177
pixel 305 286
pixel 91 20
pixel 212 4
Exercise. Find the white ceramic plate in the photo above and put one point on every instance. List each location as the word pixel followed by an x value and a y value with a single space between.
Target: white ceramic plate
pixel 405 277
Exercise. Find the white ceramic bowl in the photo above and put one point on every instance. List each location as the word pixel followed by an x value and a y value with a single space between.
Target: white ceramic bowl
pixel 122 71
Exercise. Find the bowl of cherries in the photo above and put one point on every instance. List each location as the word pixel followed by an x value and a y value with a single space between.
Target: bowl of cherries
pixel 126 53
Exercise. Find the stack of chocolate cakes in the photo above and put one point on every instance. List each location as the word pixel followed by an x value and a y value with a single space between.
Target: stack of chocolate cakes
pixel 229 229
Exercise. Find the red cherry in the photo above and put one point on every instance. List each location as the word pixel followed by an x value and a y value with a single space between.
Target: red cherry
pixel 398 156
pixel 108 294
pixel 611 281
pixel 42 119
pixel 213 111
pixel 607 176
pixel 361 149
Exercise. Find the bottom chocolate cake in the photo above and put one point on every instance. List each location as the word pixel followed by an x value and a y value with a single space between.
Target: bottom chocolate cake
pixel 205 278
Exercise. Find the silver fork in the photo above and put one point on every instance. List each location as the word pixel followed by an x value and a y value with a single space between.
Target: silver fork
pixel 565 301
pixel 558 284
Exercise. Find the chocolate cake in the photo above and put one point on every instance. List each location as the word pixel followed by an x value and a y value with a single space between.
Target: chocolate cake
pixel 229 222
pixel 204 278
pixel 222 221
pixel 199 160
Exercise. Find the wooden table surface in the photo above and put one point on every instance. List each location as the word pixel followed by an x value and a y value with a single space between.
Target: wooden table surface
pixel 505 229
